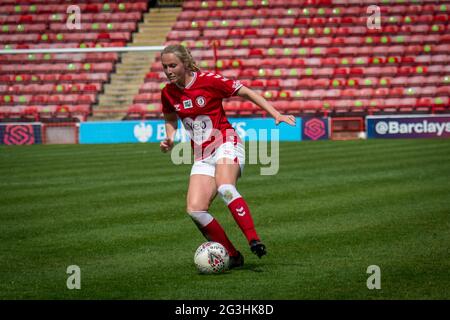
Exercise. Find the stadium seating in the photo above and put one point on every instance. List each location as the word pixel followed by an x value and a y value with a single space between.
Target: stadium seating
pixel 320 56
pixel 59 86
pixel 305 57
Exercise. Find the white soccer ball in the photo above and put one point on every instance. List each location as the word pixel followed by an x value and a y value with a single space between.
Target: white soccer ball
pixel 362 135
pixel 211 257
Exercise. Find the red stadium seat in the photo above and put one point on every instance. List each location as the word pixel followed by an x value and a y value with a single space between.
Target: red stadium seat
pixel 30 114
pixel 319 51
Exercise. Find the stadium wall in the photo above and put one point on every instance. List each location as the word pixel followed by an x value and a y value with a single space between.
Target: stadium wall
pixel 250 129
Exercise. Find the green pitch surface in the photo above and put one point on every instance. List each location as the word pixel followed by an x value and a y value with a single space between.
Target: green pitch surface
pixel 334 209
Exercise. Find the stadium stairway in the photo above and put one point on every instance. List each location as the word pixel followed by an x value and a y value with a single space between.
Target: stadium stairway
pixel 130 72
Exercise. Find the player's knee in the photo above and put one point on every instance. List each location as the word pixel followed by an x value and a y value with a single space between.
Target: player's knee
pixel 196 206
pixel 228 193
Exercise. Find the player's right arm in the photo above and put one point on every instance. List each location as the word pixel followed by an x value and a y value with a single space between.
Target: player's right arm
pixel 171 124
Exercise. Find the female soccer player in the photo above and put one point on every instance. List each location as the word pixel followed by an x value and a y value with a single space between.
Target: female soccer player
pixel 219 156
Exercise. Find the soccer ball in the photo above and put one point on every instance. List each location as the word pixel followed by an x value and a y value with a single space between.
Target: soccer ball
pixel 362 135
pixel 211 257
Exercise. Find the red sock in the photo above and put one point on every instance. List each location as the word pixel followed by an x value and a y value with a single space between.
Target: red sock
pixel 242 216
pixel 214 232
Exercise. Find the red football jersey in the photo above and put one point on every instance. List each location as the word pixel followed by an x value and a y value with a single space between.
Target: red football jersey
pixel 199 106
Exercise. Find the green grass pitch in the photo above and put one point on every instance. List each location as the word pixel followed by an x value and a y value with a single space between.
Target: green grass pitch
pixel 334 208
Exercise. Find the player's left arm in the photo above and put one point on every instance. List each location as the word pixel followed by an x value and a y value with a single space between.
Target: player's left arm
pixel 259 100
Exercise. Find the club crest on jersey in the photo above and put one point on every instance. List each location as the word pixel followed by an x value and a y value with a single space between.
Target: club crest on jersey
pixel 187 104
pixel 177 107
pixel 201 101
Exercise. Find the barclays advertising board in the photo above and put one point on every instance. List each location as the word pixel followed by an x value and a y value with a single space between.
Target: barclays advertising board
pixel 154 131
pixel 413 126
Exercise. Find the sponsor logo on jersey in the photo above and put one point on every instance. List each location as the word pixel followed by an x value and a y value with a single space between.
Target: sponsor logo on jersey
pixel 187 104
pixel 177 107
pixel 199 129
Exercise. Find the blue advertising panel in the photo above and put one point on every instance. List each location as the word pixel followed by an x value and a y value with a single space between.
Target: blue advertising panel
pixel 121 131
pixel 420 126
pixel 250 129
pixel 154 131
pixel 20 133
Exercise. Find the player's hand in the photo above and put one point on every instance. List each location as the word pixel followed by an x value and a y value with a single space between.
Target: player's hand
pixel 166 145
pixel 285 118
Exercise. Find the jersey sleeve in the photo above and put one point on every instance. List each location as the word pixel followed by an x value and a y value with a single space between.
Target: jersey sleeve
pixel 225 87
pixel 166 106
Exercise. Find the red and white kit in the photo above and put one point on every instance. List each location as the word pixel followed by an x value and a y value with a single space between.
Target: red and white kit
pixel 199 106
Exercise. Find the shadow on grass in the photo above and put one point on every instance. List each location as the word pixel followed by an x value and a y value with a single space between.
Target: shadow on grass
pixel 251 267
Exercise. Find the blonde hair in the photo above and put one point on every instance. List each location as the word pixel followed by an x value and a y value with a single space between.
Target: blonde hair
pixel 182 53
